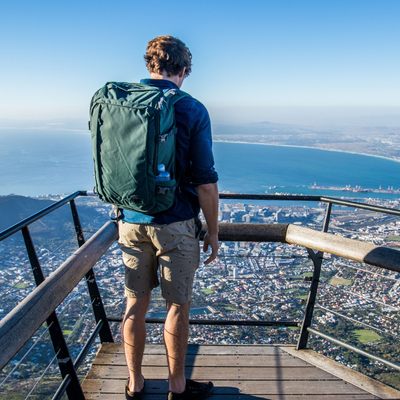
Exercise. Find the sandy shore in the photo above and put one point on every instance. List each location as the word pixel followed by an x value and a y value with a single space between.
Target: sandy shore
pixel 307 147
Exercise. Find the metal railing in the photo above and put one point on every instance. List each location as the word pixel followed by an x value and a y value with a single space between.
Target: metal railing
pixel 40 305
pixel 21 323
pixel 322 242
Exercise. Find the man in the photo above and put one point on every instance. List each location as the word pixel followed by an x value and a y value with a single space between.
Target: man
pixel 169 240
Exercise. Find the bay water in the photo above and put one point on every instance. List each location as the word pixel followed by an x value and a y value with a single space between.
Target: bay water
pixel 35 162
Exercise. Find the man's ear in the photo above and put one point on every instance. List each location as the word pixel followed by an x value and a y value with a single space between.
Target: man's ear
pixel 182 74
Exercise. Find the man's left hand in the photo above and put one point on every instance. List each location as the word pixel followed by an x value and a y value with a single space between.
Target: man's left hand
pixel 211 240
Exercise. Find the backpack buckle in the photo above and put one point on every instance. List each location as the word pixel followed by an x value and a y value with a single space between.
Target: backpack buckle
pixel 165 190
pixel 160 103
pixel 162 138
pixel 170 92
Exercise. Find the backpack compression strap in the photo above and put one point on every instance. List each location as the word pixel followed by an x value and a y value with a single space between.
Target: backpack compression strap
pixel 174 96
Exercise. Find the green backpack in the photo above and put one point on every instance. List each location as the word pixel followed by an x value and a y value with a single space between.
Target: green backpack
pixel 133 132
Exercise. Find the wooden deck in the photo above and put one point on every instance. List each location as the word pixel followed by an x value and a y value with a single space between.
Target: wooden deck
pixel 238 372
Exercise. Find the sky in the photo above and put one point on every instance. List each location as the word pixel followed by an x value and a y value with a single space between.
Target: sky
pixel 256 60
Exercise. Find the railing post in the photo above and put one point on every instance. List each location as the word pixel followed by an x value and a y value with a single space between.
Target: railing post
pixel 95 297
pixel 317 259
pixel 327 218
pixel 74 390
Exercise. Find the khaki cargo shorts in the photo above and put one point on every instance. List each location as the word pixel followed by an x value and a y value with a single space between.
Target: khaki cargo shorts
pixel 173 248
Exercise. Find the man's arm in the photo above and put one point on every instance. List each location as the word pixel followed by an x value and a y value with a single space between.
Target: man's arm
pixel 208 199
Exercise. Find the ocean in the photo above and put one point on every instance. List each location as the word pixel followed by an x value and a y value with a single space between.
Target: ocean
pixel 35 162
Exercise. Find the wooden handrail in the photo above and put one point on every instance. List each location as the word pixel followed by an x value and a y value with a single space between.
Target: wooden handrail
pixel 249 232
pixel 24 320
pixel 356 250
pixel 351 249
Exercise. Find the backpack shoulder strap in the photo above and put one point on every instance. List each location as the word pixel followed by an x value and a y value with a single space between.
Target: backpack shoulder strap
pixel 174 95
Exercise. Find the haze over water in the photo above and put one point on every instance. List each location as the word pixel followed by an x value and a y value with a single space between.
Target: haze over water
pixel 41 162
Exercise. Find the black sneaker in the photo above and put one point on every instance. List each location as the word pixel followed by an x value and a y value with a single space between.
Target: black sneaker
pixel 133 395
pixel 193 391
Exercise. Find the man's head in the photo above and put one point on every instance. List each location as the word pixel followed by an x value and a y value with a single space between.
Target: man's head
pixel 168 56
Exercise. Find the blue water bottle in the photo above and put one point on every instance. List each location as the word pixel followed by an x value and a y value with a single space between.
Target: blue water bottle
pixel 163 175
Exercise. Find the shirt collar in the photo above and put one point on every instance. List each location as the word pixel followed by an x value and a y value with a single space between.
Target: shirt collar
pixel 161 83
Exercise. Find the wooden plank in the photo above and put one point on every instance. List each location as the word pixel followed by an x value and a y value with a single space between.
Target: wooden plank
pixel 149 396
pixel 216 373
pixel 246 350
pixel 355 378
pixel 322 387
pixel 204 361
pixel 255 350
pixel 17 327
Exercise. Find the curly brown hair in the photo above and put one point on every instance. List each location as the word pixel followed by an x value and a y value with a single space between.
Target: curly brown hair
pixel 169 54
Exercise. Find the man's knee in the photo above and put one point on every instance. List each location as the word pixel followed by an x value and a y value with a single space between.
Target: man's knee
pixel 179 311
pixel 178 306
pixel 137 306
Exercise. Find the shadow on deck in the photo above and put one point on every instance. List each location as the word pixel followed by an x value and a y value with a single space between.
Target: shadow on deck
pixel 238 372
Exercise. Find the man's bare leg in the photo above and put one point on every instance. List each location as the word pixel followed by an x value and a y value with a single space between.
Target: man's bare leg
pixel 176 333
pixel 134 338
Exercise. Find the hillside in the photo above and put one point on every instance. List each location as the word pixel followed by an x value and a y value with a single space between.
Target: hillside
pixel 58 224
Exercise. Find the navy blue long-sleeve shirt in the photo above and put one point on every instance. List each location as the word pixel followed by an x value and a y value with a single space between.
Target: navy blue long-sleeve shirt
pixel 194 160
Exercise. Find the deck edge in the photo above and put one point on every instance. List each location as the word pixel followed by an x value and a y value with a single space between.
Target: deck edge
pixel 347 374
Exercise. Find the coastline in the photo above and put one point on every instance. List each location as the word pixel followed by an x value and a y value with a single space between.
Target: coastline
pixel 306 147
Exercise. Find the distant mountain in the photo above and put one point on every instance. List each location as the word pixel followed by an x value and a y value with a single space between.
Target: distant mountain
pixel 58 224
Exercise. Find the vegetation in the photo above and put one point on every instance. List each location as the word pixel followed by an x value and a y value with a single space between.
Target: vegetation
pixel 366 336
pixel 365 339
pixel 207 291
pixel 45 390
pixel 341 281
pixel 53 230
pixel 303 297
pixel 303 275
pixel 392 238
